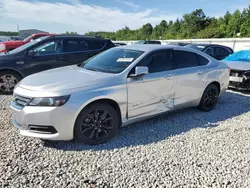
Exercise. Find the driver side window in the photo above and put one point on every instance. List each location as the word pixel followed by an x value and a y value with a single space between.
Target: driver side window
pixel 159 61
pixel 48 48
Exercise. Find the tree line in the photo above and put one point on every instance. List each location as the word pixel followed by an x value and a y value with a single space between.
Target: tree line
pixel 193 25
pixel 8 33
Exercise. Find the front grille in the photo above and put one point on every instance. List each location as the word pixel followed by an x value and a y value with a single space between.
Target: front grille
pixel 42 129
pixel 21 101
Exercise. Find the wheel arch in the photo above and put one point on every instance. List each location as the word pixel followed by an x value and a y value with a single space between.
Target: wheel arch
pixel 210 83
pixel 217 85
pixel 109 101
pixel 12 70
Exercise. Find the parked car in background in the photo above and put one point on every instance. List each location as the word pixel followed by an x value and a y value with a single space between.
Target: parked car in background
pixel 239 64
pixel 147 42
pixel 117 87
pixel 218 52
pixel 16 38
pixel 47 53
pixel 3 39
pixel 119 44
pixel 140 42
pixel 13 44
pixel 178 43
pixel 152 42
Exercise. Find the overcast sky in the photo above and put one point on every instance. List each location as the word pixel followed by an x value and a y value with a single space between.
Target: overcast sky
pixel 59 16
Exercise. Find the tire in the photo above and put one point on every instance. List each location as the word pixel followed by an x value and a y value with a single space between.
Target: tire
pixel 209 98
pixel 8 80
pixel 96 124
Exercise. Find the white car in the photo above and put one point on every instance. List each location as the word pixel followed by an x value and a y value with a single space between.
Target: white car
pixel 116 88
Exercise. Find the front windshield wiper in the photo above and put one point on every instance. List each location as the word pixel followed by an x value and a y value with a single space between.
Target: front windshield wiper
pixel 92 69
pixel 97 70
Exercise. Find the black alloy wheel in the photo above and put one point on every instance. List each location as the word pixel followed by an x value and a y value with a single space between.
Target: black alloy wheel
pixel 96 124
pixel 209 98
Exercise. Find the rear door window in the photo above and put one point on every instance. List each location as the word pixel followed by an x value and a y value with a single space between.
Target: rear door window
pixel 220 53
pixel 202 60
pixel 81 45
pixel 96 44
pixel 209 51
pixel 75 45
pixel 185 59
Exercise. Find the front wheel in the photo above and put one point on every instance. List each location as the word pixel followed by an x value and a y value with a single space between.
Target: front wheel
pixel 8 81
pixel 96 124
pixel 209 98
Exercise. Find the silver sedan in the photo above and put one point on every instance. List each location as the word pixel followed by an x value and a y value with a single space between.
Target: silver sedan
pixel 116 88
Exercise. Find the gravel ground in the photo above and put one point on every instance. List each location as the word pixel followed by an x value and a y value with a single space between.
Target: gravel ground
pixel 187 148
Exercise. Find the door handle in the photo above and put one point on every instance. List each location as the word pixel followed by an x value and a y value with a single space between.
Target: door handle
pixel 169 77
pixel 57 58
pixel 200 73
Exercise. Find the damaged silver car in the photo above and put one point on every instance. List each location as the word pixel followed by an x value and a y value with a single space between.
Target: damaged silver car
pixel 115 88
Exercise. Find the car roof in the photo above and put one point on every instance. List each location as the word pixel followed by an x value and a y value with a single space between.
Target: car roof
pixel 206 45
pixel 153 47
pixel 147 47
pixel 78 36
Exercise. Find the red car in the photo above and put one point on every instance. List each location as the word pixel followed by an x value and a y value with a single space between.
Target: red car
pixel 11 45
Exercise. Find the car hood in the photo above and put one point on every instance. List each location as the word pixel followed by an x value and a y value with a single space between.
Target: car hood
pixel 238 65
pixel 5 56
pixel 65 78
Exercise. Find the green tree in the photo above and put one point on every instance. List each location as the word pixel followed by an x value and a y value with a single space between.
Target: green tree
pixel 71 33
pixel 245 26
pixel 193 25
pixel 195 22
pixel 145 31
pixel 234 24
pixel 8 33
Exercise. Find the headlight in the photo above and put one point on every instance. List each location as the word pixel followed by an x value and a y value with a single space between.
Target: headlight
pixel 50 101
pixel 2 47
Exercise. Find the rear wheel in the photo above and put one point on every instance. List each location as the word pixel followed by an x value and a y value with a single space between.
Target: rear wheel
pixel 209 98
pixel 8 80
pixel 96 124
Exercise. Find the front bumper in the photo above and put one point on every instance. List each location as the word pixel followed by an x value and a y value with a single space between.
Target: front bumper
pixel 62 119
pixel 239 83
pixel 239 79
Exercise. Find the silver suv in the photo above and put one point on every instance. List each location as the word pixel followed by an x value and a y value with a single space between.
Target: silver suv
pixel 115 88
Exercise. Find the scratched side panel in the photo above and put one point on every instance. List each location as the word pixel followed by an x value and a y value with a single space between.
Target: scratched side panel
pixel 151 94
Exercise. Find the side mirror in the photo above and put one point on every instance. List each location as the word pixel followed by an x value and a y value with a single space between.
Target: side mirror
pixel 31 53
pixel 140 71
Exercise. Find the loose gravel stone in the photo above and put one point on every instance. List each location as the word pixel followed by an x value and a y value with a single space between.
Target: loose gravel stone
pixel 187 148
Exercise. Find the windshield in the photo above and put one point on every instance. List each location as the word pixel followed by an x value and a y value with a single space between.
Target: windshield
pixel 25 46
pixel 196 46
pixel 114 60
